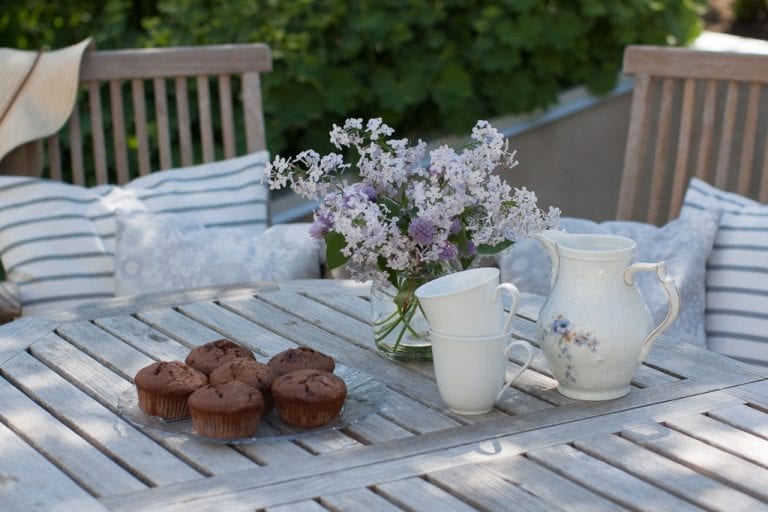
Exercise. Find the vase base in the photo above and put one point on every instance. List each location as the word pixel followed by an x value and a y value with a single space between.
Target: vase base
pixel 406 351
pixel 579 394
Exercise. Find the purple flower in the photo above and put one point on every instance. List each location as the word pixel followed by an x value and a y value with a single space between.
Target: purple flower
pixel 449 252
pixel 368 191
pixel 321 226
pixel 455 226
pixel 471 248
pixel 422 231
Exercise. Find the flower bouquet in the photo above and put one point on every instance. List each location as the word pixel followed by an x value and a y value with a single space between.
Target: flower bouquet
pixel 406 218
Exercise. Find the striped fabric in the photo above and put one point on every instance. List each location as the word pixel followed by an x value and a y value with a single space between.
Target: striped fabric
pixel 57 240
pixel 737 273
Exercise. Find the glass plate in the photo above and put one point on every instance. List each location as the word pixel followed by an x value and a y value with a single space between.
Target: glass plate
pixel 365 396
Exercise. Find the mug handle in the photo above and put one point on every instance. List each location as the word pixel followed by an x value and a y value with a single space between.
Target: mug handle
pixel 515 294
pixel 507 350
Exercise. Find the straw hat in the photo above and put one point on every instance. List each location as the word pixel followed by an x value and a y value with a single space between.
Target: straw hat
pixel 37 92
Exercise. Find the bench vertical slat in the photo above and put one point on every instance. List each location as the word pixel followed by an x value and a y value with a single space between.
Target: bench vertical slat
pixel 97 133
pixel 708 128
pixel 206 120
pixel 635 147
pixel 661 151
pixel 76 151
pixel 182 111
pixel 749 141
pixel 118 131
pixel 227 117
pixel 254 118
pixel 163 124
pixel 680 180
pixel 140 122
pixel 54 157
pixel 726 138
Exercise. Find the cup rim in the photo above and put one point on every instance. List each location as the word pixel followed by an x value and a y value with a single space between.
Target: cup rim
pixel 423 291
pixel 477 339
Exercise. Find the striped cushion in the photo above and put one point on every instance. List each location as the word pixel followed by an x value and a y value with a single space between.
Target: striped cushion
pixel 57 240
pixel 737 273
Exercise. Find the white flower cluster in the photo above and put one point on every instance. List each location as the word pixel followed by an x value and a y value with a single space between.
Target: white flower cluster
pixel 408 214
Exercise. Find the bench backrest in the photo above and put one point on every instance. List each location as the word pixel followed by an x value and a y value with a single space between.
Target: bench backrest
pixel 694 113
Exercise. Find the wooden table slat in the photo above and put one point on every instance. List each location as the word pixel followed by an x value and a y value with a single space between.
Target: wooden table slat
pixel 418 494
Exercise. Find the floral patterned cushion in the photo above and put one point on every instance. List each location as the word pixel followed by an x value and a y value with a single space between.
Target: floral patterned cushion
pixel 158 253
pixel 684 244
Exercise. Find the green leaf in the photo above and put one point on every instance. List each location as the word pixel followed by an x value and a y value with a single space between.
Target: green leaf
pixel 334 243
pixel 493 249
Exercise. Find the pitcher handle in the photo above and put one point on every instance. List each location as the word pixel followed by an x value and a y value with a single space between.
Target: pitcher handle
pixel 673 294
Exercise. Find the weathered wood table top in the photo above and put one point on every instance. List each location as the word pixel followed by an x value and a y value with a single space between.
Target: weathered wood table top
pixel 692 434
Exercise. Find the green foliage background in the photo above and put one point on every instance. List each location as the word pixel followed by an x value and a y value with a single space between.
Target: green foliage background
pixel 425 66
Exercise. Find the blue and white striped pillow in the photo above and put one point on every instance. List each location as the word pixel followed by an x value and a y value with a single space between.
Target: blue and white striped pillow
pixel 57 240
pixel 737 273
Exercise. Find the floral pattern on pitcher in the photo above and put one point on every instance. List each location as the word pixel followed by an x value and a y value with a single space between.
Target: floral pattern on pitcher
pixel 567 337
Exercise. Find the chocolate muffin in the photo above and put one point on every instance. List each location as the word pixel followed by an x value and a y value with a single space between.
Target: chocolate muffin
pixel 163 388
pixel 249 371
pixel 210 356
pixel 309 397
pixel 300 359
pixel 227 410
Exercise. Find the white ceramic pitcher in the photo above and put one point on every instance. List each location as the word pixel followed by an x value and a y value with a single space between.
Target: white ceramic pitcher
pixel 595 328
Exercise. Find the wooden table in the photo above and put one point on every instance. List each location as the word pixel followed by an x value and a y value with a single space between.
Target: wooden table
pixel 692 434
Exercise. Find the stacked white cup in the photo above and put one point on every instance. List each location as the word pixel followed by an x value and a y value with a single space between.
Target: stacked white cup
pixel 471 337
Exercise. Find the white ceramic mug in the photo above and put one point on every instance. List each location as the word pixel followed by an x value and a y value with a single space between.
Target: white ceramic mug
pixel 470 372
pixel 466 303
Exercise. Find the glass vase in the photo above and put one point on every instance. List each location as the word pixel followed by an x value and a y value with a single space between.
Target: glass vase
pixel 399 328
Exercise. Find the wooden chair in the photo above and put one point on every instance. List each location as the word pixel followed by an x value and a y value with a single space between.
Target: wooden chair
pixel 117 134
pixel 694 113
pixel 142 110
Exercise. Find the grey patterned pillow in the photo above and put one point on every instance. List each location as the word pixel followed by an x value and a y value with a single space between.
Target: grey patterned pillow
pixel 158 253
pixel 684 244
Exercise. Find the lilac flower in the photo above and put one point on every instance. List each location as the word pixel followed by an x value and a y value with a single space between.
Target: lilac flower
pixel 455 226
pixel 449 252
pixel 368 191
pixel 322 225
pixel 422 231
pixel 471 248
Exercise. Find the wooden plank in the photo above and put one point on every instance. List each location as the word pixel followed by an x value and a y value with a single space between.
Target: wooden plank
pixel 298 506
pixel 550 486
pixel 682 160
pixel 144 338
pixel 175 61
pixel 93 470
pixel 707 131
pixel 23 470
pixel 227 116
pixel 724 161
pixel 119 135
pixel 666 474
pixel 376 429
pixel 184 122
pixel 418 494
pixel 140 125
pixel 661 153
pixel 21 333
pixel 254 117
pixel 97 424
pixel 754 393
pixel 486 490
pixel 723 436
pixel 177 326
pixel 362 499
pixel 417 455
pixel 743 417
pixel 131 303
pixel 747 153
pixel 54 157
pixel 206 121
pixel 606 480
pixel 162 118
pixel 636 146
pixel 703 458
pixel 97 133
pixel 76 150
pixel 685 62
